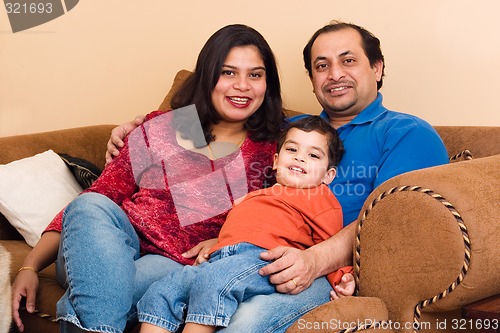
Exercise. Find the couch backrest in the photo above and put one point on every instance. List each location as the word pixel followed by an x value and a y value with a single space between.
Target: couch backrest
pixel 85 142
pixel 481 141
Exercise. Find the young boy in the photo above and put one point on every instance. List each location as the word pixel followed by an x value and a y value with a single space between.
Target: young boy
pixel 299 211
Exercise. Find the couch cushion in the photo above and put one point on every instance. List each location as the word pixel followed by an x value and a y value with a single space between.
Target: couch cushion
pixel 34 190
pixel 84 171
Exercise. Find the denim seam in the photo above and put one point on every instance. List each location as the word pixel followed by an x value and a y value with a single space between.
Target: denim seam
pixel 220 310
pixel 158 321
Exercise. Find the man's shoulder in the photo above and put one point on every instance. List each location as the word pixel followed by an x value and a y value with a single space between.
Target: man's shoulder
pixel 399 121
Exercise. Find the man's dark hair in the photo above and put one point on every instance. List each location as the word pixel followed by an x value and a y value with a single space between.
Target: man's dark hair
pixel 370 44
pixel 320 125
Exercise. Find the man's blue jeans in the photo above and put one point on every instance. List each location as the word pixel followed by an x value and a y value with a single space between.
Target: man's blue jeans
pixel 100 265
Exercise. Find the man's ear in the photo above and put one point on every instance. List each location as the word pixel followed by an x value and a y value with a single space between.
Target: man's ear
pixel 378 68
pixel 329 176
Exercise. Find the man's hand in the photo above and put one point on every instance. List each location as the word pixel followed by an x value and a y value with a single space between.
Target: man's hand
pixel 291 271
pixel 25 285
pixel 200 251
pixel 117 135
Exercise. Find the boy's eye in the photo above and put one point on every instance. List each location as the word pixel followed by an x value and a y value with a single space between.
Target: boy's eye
pixel 314 155
pixel 291 149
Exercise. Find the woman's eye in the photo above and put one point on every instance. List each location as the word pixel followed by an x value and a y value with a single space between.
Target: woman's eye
pixel 227 72
pixel 255 75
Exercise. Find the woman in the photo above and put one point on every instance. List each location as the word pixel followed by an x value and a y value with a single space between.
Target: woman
pixel 126 231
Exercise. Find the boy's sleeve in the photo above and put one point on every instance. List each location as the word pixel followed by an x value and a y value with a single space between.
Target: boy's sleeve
pixel 334 277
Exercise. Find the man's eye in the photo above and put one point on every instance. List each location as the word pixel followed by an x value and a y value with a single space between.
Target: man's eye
pixel 320 67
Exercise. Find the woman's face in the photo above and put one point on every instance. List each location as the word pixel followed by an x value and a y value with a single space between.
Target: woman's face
pixel 241 87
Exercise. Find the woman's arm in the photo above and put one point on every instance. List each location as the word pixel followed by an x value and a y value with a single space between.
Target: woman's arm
pixel 26 282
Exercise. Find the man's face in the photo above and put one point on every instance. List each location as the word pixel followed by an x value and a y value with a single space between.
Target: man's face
pixel 342 78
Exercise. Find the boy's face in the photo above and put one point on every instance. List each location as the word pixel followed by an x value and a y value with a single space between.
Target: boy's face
pixel 302 161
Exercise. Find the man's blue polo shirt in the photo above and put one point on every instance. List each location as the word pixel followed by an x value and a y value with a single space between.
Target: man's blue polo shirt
pixel 380 144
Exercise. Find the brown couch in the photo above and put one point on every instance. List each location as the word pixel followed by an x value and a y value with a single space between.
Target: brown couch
pixel 427 240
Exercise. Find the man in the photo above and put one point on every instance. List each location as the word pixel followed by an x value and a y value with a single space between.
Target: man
pixel 346 67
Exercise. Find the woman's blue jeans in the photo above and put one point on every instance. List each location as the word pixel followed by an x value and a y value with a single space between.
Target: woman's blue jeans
pixel 100 265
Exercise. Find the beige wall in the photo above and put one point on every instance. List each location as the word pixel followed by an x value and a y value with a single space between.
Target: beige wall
pixel 107 61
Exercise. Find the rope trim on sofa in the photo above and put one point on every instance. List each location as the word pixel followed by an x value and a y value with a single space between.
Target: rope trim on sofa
pixel 466 155
pixel 465 236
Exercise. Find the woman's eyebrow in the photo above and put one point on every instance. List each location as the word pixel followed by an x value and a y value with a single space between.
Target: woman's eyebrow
pixel 251 68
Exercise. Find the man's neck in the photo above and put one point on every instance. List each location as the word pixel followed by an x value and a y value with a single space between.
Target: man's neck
pixel 336 122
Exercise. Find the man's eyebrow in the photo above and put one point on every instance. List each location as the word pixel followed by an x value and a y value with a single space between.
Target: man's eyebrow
pixel 343 54
pixel 252 68
pixel 320 58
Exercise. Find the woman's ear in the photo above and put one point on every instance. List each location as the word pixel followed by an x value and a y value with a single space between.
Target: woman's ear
pixel 329 176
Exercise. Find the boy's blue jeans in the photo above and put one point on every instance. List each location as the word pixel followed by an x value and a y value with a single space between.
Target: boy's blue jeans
pixel 100 265
pixel 208 294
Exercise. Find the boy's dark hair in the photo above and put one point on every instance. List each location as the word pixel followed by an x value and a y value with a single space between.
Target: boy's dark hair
pixel 370 43
pixel 320 125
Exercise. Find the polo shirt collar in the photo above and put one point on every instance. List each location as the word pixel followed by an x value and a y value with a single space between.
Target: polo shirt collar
pixel 369 114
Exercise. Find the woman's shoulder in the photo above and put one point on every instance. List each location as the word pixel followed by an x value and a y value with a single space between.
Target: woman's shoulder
pixel 154 114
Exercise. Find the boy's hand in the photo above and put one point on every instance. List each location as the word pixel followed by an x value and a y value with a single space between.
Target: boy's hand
pixel 200 251
pixel 344 288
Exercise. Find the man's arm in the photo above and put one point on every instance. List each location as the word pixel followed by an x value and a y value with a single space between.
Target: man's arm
pixel 304 266
pixel 118 134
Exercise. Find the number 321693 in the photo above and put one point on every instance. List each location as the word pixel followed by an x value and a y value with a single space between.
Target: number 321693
pixel 31 8
pixel 466 324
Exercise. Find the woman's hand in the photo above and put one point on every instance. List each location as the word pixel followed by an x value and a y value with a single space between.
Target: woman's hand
pixel 25 285
pixel 291 271
pixel 200 251
pixel 118 134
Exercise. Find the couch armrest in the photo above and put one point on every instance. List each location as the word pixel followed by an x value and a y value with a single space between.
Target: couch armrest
pixel 433 247
pixel 428 242
pixel 368 314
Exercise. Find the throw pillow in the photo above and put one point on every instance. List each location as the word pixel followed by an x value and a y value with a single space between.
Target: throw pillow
pixel 33 191
pixel 84 171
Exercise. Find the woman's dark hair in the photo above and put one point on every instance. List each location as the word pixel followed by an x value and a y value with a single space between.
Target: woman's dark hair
pixel 370 44
pixel 320 125
pixel 265 124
